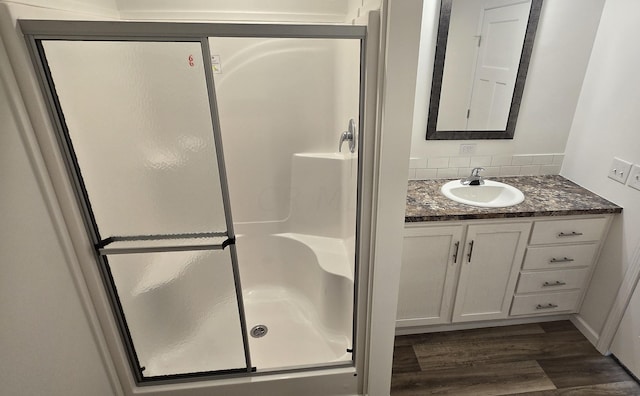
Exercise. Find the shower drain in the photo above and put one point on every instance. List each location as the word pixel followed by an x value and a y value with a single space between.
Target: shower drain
pixel 258 331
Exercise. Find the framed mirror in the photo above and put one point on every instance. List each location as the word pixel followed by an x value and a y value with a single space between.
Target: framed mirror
pixel 482 57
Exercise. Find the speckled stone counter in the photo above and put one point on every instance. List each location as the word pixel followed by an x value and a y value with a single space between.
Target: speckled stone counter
pixel 549 195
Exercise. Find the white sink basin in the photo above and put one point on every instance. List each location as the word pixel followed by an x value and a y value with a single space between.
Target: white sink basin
pixel 491 194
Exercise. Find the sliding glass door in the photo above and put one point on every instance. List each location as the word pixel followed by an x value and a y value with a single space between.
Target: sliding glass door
pixel 137 121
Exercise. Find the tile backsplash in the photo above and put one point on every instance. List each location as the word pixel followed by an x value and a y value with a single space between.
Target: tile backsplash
pixel 495 165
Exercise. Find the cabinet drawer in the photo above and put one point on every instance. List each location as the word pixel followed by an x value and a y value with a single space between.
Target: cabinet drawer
pixel 559 256
pixel 547 281
pixel 568 231
pixel 545 303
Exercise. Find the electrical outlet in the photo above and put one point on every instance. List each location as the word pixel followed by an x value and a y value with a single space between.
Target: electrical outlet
pixel 634 177
pixel 467 148
pixel 619 170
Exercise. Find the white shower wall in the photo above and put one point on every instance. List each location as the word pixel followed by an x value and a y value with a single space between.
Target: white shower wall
pixel 306 11
pixel 276 98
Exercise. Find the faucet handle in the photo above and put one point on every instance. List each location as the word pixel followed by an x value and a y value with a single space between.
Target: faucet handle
pixel 476 171
pixel 474 179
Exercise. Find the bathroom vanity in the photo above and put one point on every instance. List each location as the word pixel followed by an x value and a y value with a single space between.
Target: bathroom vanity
pixel 469 264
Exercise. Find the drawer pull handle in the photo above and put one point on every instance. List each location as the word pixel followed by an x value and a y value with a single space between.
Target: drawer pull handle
pixel 569 234
pixel 556 283
pixel 562 260
pixel 455 255
pixel 547 306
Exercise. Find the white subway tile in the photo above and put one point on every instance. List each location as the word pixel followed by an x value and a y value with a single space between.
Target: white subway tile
pixel 550 169
pixel 445 173
pixel 442 162
pixel 424 174
pixel 412 174
pixel 530 170
pixel 491 171
pixel 415 162
pixel 464 172
pixel 501 160
pixel 522 160
pixel 558 159
pixel 459 162
pixel 480 161
pixel 542 159
pixel 509 171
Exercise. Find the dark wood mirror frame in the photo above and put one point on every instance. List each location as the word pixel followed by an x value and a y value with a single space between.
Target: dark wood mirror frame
pixel 438 70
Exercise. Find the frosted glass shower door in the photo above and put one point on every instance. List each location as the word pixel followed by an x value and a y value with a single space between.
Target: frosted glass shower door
pixel 137 114
pixel 137 119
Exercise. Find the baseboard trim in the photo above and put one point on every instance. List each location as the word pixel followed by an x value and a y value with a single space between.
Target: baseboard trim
pixel 586 330
pixel 478 325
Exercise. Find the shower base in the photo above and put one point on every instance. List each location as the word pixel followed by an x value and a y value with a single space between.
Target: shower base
pixel 293 338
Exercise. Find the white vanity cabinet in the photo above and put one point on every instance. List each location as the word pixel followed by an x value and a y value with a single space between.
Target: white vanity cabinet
pixel 558 265
pixel 484 270
pixel 463 272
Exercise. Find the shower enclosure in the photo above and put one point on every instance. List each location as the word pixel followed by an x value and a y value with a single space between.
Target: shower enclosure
pixel 225 221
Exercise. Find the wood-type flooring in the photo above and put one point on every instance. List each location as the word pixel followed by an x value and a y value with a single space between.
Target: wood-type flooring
pixel 540 359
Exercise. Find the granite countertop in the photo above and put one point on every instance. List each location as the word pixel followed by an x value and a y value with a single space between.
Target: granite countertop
pixel 549 195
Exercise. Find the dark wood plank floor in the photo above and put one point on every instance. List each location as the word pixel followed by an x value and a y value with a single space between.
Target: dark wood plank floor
pixel 538 359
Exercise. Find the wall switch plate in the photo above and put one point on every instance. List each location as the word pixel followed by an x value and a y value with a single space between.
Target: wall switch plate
pixel 619 170
pixel 634 177
pixel 467 148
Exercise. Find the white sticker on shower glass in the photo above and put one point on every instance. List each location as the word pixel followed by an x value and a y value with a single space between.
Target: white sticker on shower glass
pixel 216 65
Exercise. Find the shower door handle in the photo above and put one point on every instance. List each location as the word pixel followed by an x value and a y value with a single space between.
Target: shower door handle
pixel 346 136
pixel 350 136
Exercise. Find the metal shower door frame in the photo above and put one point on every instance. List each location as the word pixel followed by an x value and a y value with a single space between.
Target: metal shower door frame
pixel 36 31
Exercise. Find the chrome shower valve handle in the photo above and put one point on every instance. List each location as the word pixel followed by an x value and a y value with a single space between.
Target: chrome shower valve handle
pixel 350 136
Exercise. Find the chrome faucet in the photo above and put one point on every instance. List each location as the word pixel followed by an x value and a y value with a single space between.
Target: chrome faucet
pixel 474 179
pixel 350 136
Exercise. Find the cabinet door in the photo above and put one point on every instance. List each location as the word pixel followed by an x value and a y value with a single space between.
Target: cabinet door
pixel 492 257
pixel 427 279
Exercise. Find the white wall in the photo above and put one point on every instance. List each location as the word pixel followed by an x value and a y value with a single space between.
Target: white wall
pixel 240 10
pixel 606 125
pixel 561 52
pixel 101 8
pixel 304 11
pixel 48 346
